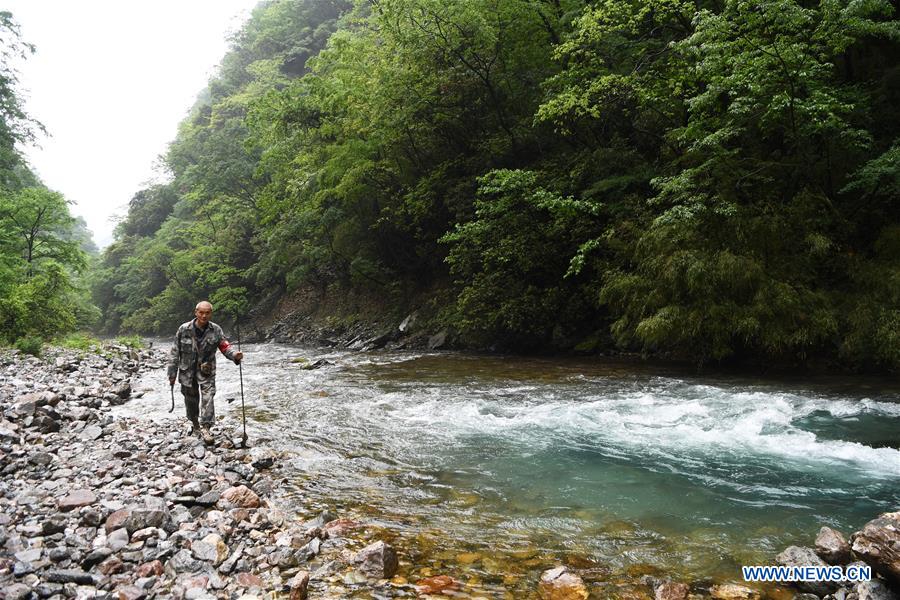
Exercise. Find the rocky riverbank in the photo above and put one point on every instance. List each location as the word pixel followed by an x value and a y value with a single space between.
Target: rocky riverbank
pixel 93 507
pixel 97 506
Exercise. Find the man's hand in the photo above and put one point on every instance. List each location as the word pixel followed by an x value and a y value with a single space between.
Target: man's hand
pixel 172 381
pixel 238 357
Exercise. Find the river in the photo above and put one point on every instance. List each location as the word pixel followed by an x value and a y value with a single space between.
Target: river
pixel 493 468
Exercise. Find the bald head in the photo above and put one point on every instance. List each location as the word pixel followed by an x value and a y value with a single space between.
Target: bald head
pixel 203 305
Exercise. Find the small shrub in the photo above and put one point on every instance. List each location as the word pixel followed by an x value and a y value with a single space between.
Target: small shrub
pixel 130 341
pixel 80 341
pixel 30 345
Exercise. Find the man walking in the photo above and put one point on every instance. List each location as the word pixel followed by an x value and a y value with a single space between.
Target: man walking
pixel 193 361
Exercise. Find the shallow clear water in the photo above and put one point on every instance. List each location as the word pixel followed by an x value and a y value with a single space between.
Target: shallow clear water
pixel 500 466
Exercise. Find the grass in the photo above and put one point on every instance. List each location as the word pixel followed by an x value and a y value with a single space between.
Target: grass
pixel 80 341
pixel 130 341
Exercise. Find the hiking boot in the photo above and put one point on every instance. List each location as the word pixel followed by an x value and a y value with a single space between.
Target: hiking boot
pixel 195 428
pixel 207 435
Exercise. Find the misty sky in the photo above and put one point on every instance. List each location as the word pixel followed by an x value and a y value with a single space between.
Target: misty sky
pixel 110 81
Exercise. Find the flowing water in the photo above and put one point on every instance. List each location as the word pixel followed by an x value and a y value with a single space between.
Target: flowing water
pixel 493 468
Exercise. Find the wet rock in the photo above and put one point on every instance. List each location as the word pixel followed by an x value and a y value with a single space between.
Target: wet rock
pixel 436 584
pixel 561 584
pixel 438 340
pixel 797 556
pixel 325 517
pixel 730 591
pixel 76 499
pixel 671 590
pixel 832 547
pixel 298 586
pixel 317 365
pixel 262 459
pixel 874 590
pixel 339 527
pixel 241 496
pixel 248 580
pixel 878 544
pixel 377 560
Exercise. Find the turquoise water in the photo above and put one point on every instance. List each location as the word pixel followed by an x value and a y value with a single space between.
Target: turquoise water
pixel 497 465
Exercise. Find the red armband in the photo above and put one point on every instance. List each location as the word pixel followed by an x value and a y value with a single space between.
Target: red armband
pixel 224 346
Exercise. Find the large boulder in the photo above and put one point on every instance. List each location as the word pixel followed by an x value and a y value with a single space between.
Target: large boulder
pixel 832 547
pixel 796 556
pixel 878 543
pixel 874 590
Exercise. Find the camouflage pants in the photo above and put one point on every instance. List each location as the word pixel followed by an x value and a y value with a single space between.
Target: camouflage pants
pixel 200 406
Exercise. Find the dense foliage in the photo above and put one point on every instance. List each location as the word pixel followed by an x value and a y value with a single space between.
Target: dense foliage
pixel 707 180
pixel 42 247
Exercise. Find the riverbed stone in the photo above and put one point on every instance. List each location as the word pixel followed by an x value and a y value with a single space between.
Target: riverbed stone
pixel 559 583
pixel 116 520
pixel 832 547
pixel 130 592
pixel 377 560
pixel 671 590
pixel 874 590
pixel 436 584
pixel 210 549
pixel 76 499
pixel 799 556
pixel 732 591
pixel 69 576
pixel 17 591
pixel 117 539
pixel 298 586
pixel 878 544
pixel 241 496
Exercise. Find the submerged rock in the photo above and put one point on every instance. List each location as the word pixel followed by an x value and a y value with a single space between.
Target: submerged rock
pixel 561 584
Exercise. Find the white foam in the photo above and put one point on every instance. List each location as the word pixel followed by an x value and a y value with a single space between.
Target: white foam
pixel 693 422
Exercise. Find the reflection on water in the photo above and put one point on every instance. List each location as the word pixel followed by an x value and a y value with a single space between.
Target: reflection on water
pixel 494 468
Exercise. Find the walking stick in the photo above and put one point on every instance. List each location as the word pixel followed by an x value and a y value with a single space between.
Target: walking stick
pixel 241 375
pixel 172 391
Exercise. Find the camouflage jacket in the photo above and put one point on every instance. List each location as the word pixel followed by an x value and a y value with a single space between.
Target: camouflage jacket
pixel 190 350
